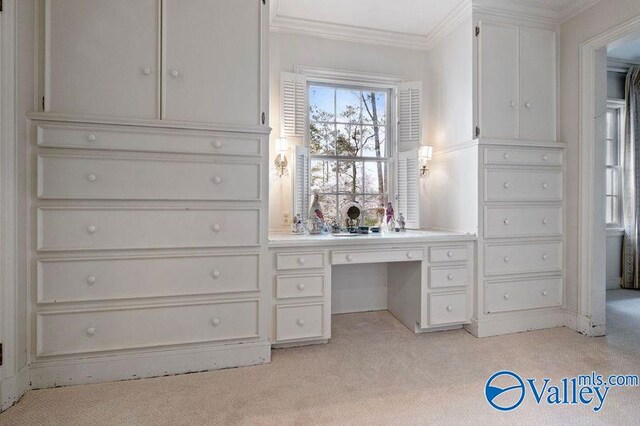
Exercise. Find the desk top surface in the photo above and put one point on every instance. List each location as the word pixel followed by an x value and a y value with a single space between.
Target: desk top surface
pixel 283 239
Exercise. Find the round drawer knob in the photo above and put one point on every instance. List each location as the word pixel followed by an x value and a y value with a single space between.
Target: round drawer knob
pixel 449 308
pixel 507 156
pixel 544 292
pixel 545 157
pixel 527 104
pixel 544 256
pixel 300 286
pixel 300 322
pixel 174 73
pixel 215 274
pixel 506 259
pixel 91 280
pixel 506 296
pixel 301 261
pixel 215 322
pixel 506 185
pixel 217 180
pixel 146 71
pixel 450 277
pixel 506 221
pixel 409 255
pixel 90 331
pixel 544 185
pixel 91 229
pixel 216 228
pixel 349 258
pixel 544 221
pixel 449 254
pixel 512 104
pixel 92 177
pixel 217 144
pixel 91 138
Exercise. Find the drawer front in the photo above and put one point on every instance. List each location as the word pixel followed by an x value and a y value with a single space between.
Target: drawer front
pixel 63 333
pixel 122 228
pixel 522 294
pixel 448 308
pixel 523 185
pixel 523 156
pixel 449 276
pixel 106 138
pixel 297 286
pixel 73 280
pixel 522 258
pixel 448 254
pixel 65 177
pixel 299 322
pixel 293 261
pixel 375 256
pixel 523 221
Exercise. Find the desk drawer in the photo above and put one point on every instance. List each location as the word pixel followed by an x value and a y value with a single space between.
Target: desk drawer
pixel 523 156
pixel 523 185
pixel 299 322
pixel 292 261
pixel 504 296
pixel 448 276
pixel 448 308
pixel 138 228
pixel 449 254
pixel 63 333
pixel 95 178
pixel 530 221
pixel 522 258
pixel 145 139
pixel 297 286
pixel 375 256
pixel 73 280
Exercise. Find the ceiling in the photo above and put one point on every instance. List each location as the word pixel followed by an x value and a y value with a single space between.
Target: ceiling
pixel 411 23
pixel 627 50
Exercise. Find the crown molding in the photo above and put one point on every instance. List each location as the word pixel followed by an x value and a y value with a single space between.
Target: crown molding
pixel 621 66
pixel 531 10
pixel 364 35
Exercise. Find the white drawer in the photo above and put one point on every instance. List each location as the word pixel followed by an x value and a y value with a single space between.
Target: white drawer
pixel 285 261
pixel 523 156
pixel 299 322
pixel 447 308
pixel 522 258
pixel 448 254
pixel 297 286
pixel 523 185
pixel 146 139
pixel 448 276
pixel 530 221
pixel 375 256
pixel 138 228
pixel 96 178
pixel 70 280
pixel 503 296
pixel 62 333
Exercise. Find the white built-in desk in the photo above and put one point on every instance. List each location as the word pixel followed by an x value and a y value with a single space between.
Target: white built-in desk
pixel 430 279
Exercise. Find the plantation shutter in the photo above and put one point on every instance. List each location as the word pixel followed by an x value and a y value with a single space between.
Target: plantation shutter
pixel 409 113
pixel 408 195
pixel 301 184
pixel 293 104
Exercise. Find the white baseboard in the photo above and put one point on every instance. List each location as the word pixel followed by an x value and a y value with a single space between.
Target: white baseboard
pixel 516 323
pixel 14 387
pixel 45 374
pixel 583 325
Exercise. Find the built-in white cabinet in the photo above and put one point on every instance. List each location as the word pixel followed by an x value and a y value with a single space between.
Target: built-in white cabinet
pixel 516 82
pixel 179 60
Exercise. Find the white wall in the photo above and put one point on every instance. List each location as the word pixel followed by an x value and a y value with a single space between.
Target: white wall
pixel 289 50
pixel 615 84
pixel 614 259
pixel 594 21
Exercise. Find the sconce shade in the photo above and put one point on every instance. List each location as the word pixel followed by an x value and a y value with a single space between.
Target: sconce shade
pixel 426 152
pixel 282 145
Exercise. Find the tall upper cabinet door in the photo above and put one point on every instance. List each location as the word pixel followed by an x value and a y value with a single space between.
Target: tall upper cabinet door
pixel 212 61
pixel 102 58
pixel 537 84
pixel 499 84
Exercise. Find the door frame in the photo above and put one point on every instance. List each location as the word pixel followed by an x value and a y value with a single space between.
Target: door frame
pixel 591 264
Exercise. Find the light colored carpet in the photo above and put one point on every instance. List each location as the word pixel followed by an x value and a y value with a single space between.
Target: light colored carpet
pixel 374 371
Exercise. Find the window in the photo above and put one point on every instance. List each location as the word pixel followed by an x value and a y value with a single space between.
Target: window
pixel 349 148
pixel 614 151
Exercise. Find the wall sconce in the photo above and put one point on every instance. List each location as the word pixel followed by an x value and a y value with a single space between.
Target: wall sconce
pixel 425 154
pixel 281 163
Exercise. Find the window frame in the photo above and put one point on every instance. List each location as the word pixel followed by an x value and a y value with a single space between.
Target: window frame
pixel 619 106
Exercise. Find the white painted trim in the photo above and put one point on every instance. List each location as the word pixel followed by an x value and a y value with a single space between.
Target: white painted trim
pixel 533 11
pixel 516 322
pixel 616 65
pixel 348 77
pixel 333 31
pixel 591 318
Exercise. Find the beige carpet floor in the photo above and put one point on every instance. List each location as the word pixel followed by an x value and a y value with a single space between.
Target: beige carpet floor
pixel 374 371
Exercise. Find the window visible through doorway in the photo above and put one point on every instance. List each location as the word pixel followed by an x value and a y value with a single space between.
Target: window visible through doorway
pixel 614 150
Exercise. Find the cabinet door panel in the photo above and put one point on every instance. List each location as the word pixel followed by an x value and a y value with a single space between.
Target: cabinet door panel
pixel 498 56
pixel 102 57
pixel 537 84
pixel 212 58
